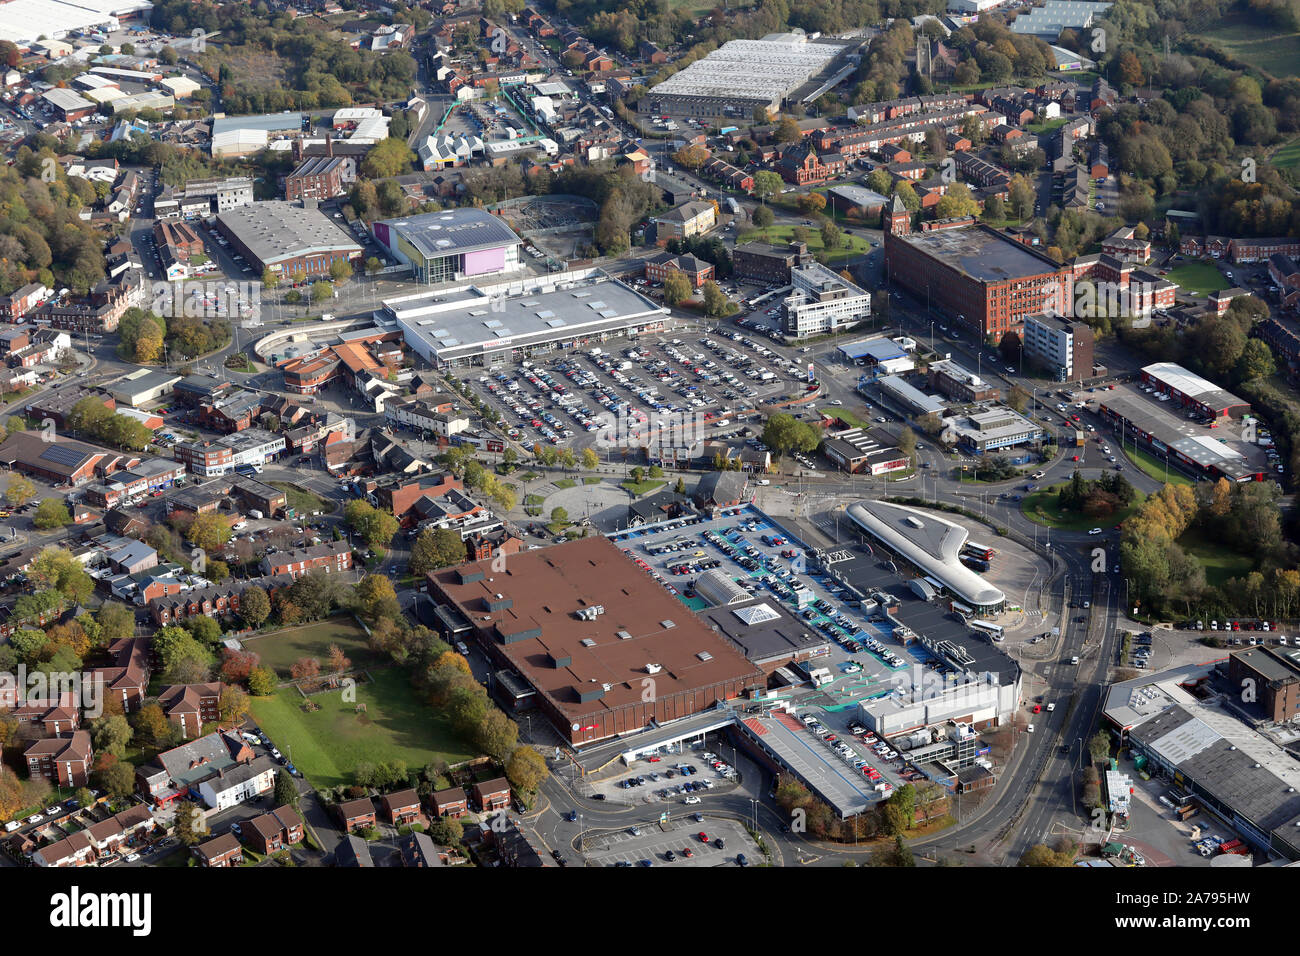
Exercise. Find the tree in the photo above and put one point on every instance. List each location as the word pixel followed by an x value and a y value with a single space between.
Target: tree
pixel 957 201
pixel 1256 362
pixel 115 622
pixel 811 203
pixel 111 735
pixel 51 513
pixel 691 157
pixel 832 238
pixel 340 271
pixel 716 302
pixel 152 726
pixel 375 527
pixel 907 441
pixel 336 660
pixel 526 770
pixel 436 548
pixel 766 184
pixel 204 629
pixel 261 682
pixel 285 792
pixel 210 531
pixel 1018 398
pixel 191 825
pixel 677 287
pixel 321 291
pixel 763 217
pixel 117 779
pixel 590 460
pixel 18 490
pixel 1021 193
pixel 232 705
pixel 1099 746
pixel 1130 70
pixel 389 157
pixel 497 735
pixel 254 606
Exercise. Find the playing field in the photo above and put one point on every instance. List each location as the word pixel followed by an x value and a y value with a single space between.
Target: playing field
pixel 328 744
pixel 1288 156
pixel 1257 43
pixel 279 649
pixel 1198 278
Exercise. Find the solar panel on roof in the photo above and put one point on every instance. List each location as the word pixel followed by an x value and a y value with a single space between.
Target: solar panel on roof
pixel 62 455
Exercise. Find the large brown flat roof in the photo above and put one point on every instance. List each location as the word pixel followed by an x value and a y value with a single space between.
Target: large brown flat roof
pixel 534 623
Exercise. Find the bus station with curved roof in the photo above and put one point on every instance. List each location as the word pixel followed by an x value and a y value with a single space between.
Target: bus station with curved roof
pixel 929 543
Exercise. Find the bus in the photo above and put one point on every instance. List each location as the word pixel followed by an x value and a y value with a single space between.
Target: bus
pixel 987 628
pixel 935 583
pixel 981 551
pixel 962 609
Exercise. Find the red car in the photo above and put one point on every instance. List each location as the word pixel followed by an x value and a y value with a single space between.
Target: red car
pixel 1076 457
pixel 1038 709
pixel 704 837
pixel 653 759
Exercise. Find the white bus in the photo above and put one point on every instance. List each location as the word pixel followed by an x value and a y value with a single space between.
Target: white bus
pixel 936 584
pixel 962 609
pixel 987 627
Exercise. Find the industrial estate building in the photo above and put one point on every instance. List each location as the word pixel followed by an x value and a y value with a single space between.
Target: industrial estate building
pixel 451 245
pixel 471 325
pixel 1189 724
pixel 1193 392
pixel 741 76
pixel 590 632
pixel 984 280
pixel 286 239
pixel 1171 437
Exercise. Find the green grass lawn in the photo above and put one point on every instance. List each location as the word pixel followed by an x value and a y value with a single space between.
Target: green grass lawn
pixel 565 483
pixel 854 245
pixel 848 418
pixel 1155 468
pixel 1257 43
pixel 591 480
pixel 1040 507
pixel 1198 278
pixel 1046 126
pixel 1288 156
pixel 303 501
pixel 328 744
pixel 280 649
pixel 1220 564
pixel 639 488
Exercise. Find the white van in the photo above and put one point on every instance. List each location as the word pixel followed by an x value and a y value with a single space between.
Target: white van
pixel 764 481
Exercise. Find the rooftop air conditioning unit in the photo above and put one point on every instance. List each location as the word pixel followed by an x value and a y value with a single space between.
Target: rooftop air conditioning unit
pixel 653 668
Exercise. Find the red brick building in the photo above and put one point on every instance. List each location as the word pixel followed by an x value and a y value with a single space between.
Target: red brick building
pixel 224 851
pixel 355 814
pixel 64 760
pixel 492 794
pixel 697 270
pixel 800 165
pixel 329 556
pixel 401 808
pixel 282 827
pixel 980 278
pixel 189 706
pixel 450 803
